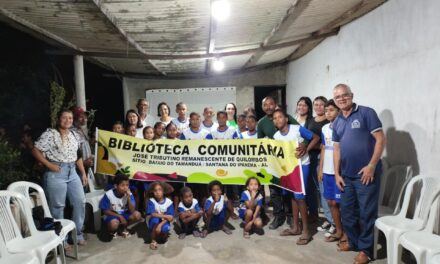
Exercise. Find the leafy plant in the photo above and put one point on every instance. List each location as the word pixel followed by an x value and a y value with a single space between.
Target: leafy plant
pixel 57 95
pixel 12 168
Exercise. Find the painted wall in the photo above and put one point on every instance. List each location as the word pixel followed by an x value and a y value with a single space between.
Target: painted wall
pixel 244 84
pixel 391 59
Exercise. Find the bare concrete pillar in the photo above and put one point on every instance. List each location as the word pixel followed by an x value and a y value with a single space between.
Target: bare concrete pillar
pixel 80 88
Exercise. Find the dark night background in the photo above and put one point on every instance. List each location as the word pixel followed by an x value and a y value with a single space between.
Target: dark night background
pixel 26 71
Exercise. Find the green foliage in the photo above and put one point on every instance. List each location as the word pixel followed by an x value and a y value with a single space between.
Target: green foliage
pixel 57 94
pixel 12 167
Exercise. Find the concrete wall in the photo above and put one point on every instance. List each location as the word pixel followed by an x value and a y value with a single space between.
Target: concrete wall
pixel 244 84
pixel 391 59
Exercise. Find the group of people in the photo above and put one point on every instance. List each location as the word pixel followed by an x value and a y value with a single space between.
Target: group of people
pixel 339 150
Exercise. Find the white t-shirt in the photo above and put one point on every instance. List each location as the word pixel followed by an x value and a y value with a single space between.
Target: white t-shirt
pixel 248 135
pixel 148 121
pixel 211 128
pixel 181 126
pixel 139 132
pixel 296 132
pixel 190 134
pixel 228 133
pixel 327 132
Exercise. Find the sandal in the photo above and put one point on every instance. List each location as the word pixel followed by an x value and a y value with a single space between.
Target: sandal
pixel 246 235
pixel 343 245
pixel 226 230
pixel 153 245
pixel 290 232
pixel 125 234
pixel 303 241
pixel 332 238
pixel 204 233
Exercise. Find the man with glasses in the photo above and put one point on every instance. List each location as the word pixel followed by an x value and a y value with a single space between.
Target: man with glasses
pixel 359 143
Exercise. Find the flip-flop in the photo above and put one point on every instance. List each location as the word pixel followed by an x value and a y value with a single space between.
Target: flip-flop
pixel 204 233
pixel 125 234
pixel 332 239
pixel 246 235
pixel 153 245
pixel 290 232
pixel 226 230
pixel 303 241
pixel 343 245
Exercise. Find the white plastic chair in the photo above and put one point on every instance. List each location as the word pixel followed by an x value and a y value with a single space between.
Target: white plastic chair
pixel 93 197
pixel 422 244
pixel 395 225
pixel 19 258
pixel 24 188
pixel 40 242
pixel 434 259
pixel 393 184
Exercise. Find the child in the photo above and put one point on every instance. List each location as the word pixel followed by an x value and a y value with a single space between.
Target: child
pixel 251 204
pixel 130 130
pixel 159 130
pixel 223 131
pixel 298 133
pixel 327 173
pixel 241 122
pixel 215 215
pixel 251 123
pixel 118 127
pixel 118 207
pixel 148 133
pixel 172 131
pixel 161 211
pixel 182 122
pixel 207 123
pixel 189 213
pixel 194 131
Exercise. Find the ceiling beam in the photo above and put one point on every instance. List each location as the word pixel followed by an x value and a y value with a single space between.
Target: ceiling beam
pixel 211 43
pixel 348 16
pixel 113 21
pixel 34 30
pixel 193 56
pixel 277 32
pixel 190 75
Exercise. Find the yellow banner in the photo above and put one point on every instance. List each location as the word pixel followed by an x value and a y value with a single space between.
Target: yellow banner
pixel 200 161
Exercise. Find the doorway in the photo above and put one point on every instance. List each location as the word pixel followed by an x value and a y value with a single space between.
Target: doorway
pixel 276 91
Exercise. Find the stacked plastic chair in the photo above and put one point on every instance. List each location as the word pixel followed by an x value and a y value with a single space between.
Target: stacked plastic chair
pixel 39 243
pixel 25 188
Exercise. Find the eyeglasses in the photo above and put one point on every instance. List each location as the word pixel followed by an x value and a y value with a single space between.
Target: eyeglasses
pixel 343 96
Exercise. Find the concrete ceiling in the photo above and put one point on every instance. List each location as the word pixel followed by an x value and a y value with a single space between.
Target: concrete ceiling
pixel 179 37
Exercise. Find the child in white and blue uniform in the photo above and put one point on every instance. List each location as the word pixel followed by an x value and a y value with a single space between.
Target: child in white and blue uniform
pixel 296 133
pixel 216 214
pixel 194 131
pixel 327 172
pixel 118 206
pixel 161 210
pixel 189 213
pixel 251 204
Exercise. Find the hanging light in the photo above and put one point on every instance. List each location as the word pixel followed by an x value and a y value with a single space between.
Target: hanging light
pixel 220 9
pixel 218 65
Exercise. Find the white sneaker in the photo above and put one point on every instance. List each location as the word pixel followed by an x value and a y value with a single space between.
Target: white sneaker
pixel 324 227
pixel 330 231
